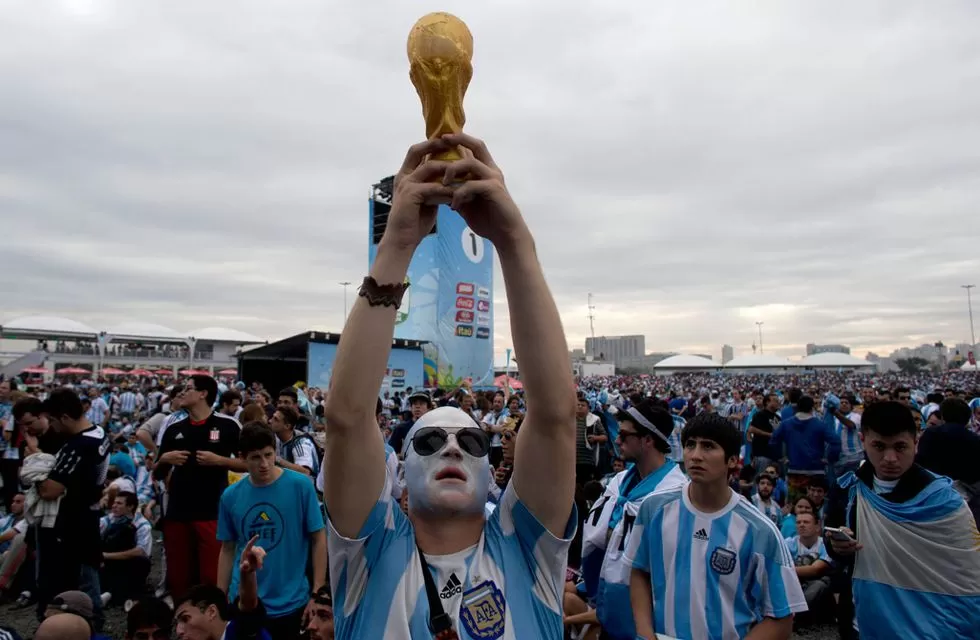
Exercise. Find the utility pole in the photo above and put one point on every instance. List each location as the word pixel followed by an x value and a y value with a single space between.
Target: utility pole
pixel 969 306
pixel 759 324
pixel 345 285
pixel 591 317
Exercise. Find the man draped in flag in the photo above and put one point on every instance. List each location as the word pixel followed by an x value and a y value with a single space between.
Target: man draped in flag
pixel 642 440
pixel 915 559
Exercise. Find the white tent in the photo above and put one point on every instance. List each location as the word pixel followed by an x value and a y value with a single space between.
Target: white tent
pixel 757 363
pixel 969 367
pixel 684 363
pixel 834 361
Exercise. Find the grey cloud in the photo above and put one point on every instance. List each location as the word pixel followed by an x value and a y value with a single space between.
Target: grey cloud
pixel 688 164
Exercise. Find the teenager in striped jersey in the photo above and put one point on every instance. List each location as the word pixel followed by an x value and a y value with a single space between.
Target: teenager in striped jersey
pixel 706 563
pixel 495 578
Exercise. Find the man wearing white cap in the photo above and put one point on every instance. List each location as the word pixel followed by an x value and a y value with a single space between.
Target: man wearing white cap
pixel 446 570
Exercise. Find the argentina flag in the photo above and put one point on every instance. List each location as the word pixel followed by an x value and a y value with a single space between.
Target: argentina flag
pixel 918 573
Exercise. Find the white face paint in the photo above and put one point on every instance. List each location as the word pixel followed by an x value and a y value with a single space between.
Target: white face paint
pixel 446 496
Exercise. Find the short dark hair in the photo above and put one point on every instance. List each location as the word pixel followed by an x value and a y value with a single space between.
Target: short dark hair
pixel 812 514
pixel 794 395
pixel 291 392
pixel 63 402
pixel 289 415
pixel 889 418
pixel 255 436
pixel 203 596
pixel 714 427
pixel 149 612
pixel 956 411
pixel 175 390
pixel 230 396
pixel 24 406
pixel 818 482
pixel 131 500
pixel 660 419
pixel 898 390
pixel 207 384
pixel 805 404
pixel 765 476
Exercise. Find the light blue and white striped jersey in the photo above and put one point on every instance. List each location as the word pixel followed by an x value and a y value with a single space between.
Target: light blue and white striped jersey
pixel 771 510
pixel 804 556
pixel 676 448
pixel 127 402
pixel 713 575
pixel 850 442
pixel 98 412
pixel 616 519
pixel 507 586
pixel 142 527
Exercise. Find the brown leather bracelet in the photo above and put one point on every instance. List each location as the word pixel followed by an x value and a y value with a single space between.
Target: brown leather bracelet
pixel 382 295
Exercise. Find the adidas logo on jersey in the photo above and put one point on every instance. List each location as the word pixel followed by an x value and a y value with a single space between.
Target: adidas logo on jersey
pixel 453 587
pixel 700 534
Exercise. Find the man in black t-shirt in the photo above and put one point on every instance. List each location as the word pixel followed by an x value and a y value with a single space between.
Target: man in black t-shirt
pixel 69 553
pixel 760 429
pixel 196 455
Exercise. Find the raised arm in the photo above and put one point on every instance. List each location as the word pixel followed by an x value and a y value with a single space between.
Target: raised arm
pixel 544 461
pixel 353 447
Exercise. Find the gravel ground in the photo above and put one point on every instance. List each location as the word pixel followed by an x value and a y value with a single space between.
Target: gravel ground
pixel 24 622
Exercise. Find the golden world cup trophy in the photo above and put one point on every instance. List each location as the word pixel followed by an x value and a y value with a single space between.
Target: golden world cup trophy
pixel 440 51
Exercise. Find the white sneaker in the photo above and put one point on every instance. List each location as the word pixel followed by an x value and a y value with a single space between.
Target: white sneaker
pixel 106 597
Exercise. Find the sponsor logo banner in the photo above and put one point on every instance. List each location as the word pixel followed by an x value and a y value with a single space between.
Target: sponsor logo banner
pixel 464 330
pixel 464 288
pixel 464 303
pixel 483 320
pixel 483 292
pixel 482 305
pixel 464 316
pixel 483 333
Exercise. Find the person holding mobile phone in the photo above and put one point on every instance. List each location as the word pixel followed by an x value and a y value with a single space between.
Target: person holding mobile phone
pixel 912 568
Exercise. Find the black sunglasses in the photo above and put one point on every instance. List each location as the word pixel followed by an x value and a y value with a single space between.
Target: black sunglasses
pixel 430 440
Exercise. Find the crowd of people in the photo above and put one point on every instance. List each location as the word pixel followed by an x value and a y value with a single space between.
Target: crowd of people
pixel 689 506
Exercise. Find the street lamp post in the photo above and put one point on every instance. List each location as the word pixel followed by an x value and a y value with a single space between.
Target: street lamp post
pixel 761 349
pixel 969 306
pixel 345 285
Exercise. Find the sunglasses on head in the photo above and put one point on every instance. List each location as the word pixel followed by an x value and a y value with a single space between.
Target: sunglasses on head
pixel 430 440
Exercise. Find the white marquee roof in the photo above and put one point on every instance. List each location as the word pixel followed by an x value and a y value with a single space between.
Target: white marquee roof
pixel 968 367
pixel 758 361
pixel 222 334
pixel 144 330
pixel 686 362
pixel 55 326
pixel 48 324
pixel 834 360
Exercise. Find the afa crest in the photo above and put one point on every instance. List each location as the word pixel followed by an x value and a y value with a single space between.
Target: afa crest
pixel 483 611
pixel 723 560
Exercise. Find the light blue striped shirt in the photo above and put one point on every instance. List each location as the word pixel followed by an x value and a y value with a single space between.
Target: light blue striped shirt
pixel 507 586
pixel 713 575
pixel 850 442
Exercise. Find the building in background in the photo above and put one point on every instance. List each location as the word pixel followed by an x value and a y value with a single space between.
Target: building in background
pixel 615 348
pixel 813 349
pixel 642 364
pixel 727 354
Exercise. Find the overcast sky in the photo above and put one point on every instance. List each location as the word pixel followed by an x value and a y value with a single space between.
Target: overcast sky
pixel 697 166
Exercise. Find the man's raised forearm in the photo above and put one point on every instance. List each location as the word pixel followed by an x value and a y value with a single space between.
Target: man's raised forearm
pixel 536 329
pixel 362 355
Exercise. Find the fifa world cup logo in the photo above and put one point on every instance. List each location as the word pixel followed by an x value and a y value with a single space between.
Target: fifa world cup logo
pixel 440 51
